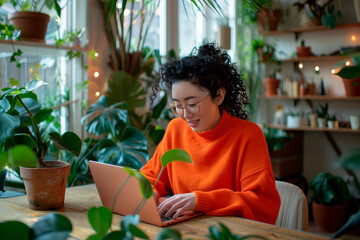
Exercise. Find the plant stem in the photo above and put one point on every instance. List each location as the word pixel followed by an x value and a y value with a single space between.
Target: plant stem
pixel 118 192
pixel 37 130
pixel 79 163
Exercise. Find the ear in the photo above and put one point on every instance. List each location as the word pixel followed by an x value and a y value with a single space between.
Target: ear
pixel 220 96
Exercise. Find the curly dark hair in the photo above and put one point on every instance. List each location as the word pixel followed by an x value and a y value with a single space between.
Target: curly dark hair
pixel 210 68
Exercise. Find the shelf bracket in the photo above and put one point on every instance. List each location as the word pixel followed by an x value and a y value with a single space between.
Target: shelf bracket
pixel 333 143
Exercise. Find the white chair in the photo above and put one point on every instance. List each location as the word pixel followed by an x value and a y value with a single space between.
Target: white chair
pixel 293 211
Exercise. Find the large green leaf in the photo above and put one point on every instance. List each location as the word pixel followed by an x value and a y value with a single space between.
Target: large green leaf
pixel 122 87
pixel 349 160
pixel 69 141
pixel 349 72
pixel 8 122
pixel 130 150
pixel 173 155
pixel 34 84
pixel 22 139
pixel 11 230
pixel 3 160
pixel 52 226
pixel 24 156
pixel 159 107
pixel 100 219
pixel 168 233
pixel 145 185
pixel 104 119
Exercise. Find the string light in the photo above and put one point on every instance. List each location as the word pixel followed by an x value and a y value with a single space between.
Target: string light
pixel 97 94
pixel 353 37
pixel 301 65
pixel 96 74
pixel 96 54
pixel 347 63
pixel 317 69
pixel 126 12
pixel 333 71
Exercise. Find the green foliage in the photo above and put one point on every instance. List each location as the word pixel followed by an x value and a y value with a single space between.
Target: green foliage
pixel 321 10
pixel 50 226
pixel 276 138
pixel 350 72
pixel 332 117
pixel 329 189
pixel 225 233
pixel 322 110
pixel 33 5
pixel 21 115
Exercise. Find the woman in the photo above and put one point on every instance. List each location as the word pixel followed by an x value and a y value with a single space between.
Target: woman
pixel 231 172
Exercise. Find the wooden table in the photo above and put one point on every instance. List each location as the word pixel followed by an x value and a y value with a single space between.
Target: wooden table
pixel 79 199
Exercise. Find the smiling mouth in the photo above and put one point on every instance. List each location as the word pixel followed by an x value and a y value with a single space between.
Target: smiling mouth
pixel 193 123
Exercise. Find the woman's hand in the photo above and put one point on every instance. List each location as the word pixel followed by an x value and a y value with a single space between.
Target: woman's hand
pixel 178 203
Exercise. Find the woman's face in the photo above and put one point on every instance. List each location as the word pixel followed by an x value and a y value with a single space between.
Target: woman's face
pixel 203 111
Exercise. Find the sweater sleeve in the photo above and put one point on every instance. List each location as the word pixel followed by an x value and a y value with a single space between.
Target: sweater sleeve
pixel 153 167
pixel 255 195
pixel 258 199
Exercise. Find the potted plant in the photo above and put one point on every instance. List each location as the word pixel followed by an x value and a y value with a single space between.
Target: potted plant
pixel 319 12
pixel 331 120
pixel 351 75
pixel 272 83
pixel 303 50
pixel 329 201
pixel 322 112
pixel 269 17
pixel 265 51
pixel 23 145
pixel 29 16
pixel 350 160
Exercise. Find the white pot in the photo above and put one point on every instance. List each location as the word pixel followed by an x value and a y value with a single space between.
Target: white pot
pixel 355 122
pixel 295 121
pixel 331 124
pixel 321 122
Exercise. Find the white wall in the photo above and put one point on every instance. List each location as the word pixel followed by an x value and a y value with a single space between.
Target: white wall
pixel 318 154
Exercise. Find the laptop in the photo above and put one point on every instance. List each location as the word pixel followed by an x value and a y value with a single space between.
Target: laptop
pixel 108 179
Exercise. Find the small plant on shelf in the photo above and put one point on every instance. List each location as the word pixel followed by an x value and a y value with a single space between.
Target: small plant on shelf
pixel 320 11
pixel 322 111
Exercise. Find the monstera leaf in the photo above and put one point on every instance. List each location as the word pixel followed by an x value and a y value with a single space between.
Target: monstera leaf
pixel 9 120
pixel 130 150
pixel 105 119
pixel 122 87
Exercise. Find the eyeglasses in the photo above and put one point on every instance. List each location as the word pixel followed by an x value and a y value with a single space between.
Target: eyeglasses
pixel 192 108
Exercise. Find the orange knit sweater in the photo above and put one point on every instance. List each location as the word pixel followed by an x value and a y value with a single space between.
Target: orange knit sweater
pixel 231 172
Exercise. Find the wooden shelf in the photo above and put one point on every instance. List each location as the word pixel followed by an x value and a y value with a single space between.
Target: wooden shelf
pixel 38 48
pixel 311 129
pixel 311 97
pixel 311 29
pixel 315 59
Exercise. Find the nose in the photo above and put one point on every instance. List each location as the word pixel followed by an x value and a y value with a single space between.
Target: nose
pixel 187 114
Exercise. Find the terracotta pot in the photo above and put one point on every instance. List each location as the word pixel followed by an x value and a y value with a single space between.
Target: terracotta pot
pixel 33 25
pixel 352 86
pixel 271 86
pixel 268 19
pixel 329 218
pixel 303 51
pixel 45 187
pixel 264 57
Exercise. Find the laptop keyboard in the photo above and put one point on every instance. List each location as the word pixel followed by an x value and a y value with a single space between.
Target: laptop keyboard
pixel 163 218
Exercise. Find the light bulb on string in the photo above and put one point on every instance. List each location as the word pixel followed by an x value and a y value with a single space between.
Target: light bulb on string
pixel 347 63
pixel 96 74
pixel 301 65
pixel 97 94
